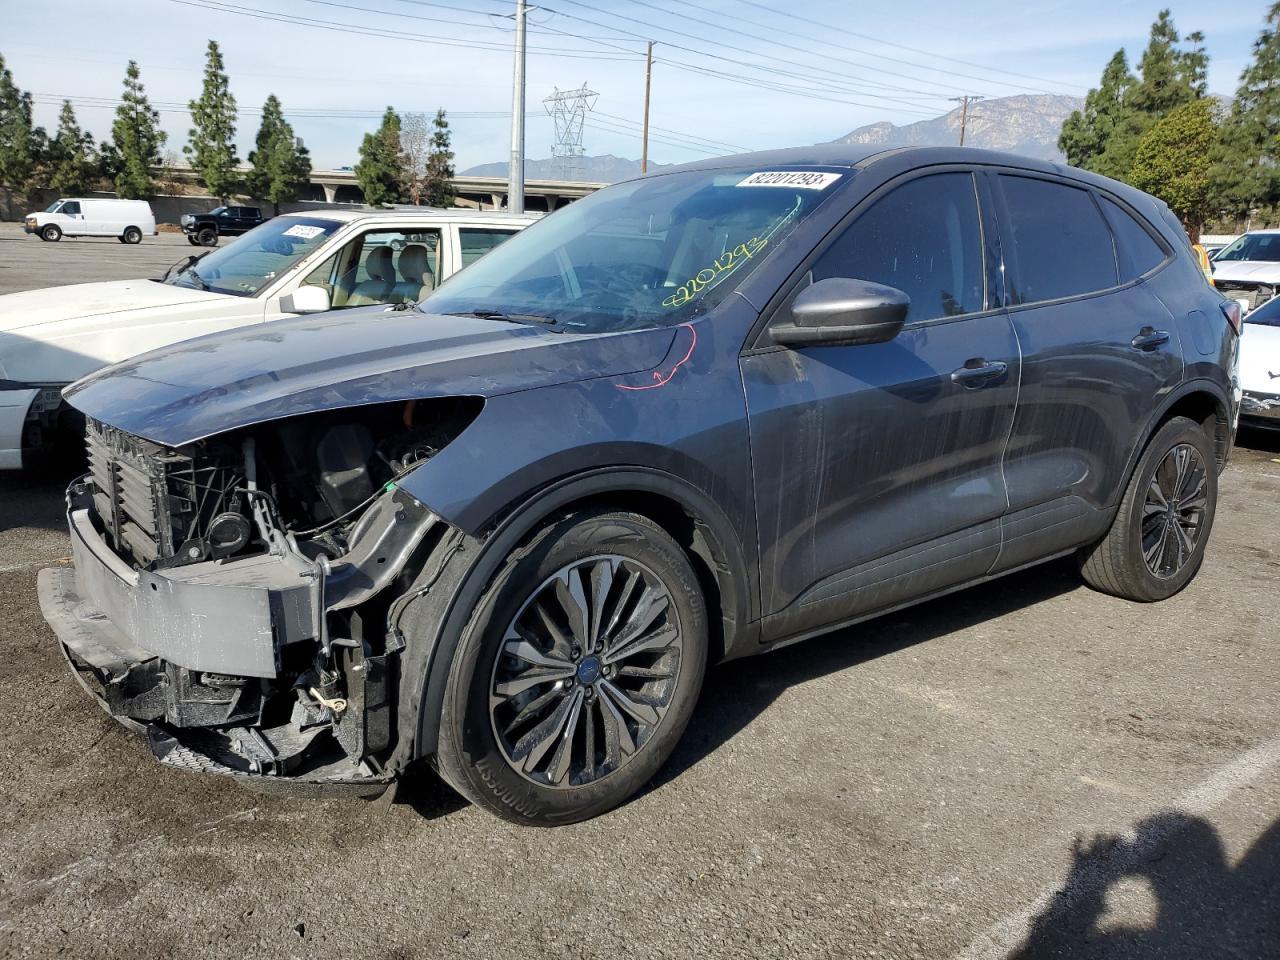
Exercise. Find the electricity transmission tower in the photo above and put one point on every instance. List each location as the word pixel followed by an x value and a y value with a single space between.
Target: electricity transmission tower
pixel 569 110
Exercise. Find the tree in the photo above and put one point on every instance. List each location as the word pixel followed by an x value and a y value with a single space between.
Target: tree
pixel 1246 168
pixel 415 144
pixel 383 169
pixel 1170 76
pixel 71 155
pixel 281 164
pixel 438 184
pixel 136 139
pixel 212 146
pixel 1106 115
pixel 1172 161
pixel 22 144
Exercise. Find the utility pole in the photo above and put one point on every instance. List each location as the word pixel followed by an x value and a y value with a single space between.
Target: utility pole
pixel 648 79
pixel 964 111
pixel 515 170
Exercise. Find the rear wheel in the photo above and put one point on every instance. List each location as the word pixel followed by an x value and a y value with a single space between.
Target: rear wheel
pixel 577 674
pixel 1157 541
pixel 52 233
pixel 131 235
pixel 207 237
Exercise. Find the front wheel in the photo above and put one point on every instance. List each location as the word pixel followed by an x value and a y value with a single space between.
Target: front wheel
pixel 208 237
pixel 1157 540
pixel 578 672
pixel 52 233
pixel 131 235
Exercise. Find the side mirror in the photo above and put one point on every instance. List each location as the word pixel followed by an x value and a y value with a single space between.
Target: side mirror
pixel 309 299
pixel 838 311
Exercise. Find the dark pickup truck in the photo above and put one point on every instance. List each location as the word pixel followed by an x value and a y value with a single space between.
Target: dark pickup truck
pixel 204 229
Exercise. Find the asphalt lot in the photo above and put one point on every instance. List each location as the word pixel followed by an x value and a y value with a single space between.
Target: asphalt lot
pixel 1023 769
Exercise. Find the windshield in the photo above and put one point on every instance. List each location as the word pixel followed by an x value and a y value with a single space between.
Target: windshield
pixel 649 252
pixel 1268 315
pixel 53 207
pixel 1252 246
pixel 216 210
pixel 249 263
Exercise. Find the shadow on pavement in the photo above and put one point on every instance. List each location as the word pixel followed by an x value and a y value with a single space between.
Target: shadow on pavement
pixel 34 500
pixel 734 694
pixel 1204 909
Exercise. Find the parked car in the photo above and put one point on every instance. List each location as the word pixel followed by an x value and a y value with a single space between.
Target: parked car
pixel 295 264
pixel 698 415
pixel 204 229
pixel 1260 366
pixel 1248 270
pixel 126 220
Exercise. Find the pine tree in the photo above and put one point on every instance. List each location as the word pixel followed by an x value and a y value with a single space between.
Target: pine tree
pixel 21 142
pixel 212 146
pixel 1172 161
pixel 1170 76
pixel 438 182
pixel 136 139
pixel 1246 169
pixel 281 164
pixel 383 171
pixel 71 155
pixel 1086 132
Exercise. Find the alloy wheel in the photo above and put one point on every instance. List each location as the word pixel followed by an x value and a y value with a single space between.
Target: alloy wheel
pixel 1174 510
pixel 586 672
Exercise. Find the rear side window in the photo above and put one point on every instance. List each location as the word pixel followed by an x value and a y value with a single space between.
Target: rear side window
pixel 1058 242
pixel 1136 251
pixel 474 244
pixel 923 238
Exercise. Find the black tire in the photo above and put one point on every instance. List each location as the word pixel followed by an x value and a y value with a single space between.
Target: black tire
pixel 471 756
pixel 51 232
pixel 193 241
pixel 131 235
pixel 207 237
pixel 1117 564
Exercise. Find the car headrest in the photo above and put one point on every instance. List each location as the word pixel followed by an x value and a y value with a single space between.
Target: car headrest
pixel 379 265
pixel 414 262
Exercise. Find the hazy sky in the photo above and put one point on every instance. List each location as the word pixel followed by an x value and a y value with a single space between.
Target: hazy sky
pixel 859 62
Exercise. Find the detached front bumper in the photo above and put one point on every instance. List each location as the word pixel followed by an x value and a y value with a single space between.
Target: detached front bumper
pixel 209 660
pixel 1261 409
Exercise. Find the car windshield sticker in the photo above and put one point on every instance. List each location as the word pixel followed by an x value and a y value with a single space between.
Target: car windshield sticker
pixel 804 179
pixel 727 263
pixel 305 231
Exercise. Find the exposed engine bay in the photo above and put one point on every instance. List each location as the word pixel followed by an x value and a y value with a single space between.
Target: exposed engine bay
pixel 290 537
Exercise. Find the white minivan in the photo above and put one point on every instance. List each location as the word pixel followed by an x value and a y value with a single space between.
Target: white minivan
pixel 126 220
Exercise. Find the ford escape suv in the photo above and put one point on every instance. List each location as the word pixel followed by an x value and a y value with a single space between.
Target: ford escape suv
pixel 692 417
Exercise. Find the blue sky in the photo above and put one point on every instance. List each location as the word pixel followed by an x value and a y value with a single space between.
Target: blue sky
pixel 899 64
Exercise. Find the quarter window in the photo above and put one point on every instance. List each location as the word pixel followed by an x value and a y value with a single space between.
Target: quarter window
pixel 923 238
pixel 474 244
pixel 1135 249
pixel 1058 242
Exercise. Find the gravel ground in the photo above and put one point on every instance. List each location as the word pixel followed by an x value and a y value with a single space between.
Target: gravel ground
pixel 1022 769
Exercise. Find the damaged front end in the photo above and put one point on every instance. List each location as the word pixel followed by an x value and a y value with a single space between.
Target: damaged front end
pixel 236 598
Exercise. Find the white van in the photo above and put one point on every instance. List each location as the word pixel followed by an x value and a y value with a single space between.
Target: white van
pixel 126 220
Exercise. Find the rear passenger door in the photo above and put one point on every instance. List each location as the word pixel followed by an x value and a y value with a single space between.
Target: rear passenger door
pixel 1098 352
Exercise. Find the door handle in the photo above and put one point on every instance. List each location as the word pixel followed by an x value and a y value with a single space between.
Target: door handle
pixel 977 371
pixel 1149 338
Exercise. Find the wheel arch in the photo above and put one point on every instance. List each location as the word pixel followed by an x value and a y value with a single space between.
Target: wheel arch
pixel 692 519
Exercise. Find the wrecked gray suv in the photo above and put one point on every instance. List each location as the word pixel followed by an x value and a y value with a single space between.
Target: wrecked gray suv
pixel 694 416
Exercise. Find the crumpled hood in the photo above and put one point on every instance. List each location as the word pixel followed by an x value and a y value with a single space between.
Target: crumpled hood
pixel 224 381
pixel 77 301
pixel 1260 271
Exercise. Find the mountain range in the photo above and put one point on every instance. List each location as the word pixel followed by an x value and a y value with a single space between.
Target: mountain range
pixel 1027 124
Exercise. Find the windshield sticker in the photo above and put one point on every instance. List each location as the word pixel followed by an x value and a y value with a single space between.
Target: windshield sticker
pixel 304 231
pixel 720 267
pixel 804 179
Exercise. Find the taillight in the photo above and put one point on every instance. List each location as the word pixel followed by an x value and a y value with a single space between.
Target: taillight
pixel 1235 316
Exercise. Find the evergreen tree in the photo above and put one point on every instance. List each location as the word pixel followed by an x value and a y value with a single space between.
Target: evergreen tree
pixel 1172 161
pixel 71 155
pixel 1086 133
pixel 212 146
pixel 21 142
pixel 281 164
pixel 383 170
pixel 136 139
pixel 438 182
pixel 1246 169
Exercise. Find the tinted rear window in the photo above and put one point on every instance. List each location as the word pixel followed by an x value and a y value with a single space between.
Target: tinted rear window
pixel 1059 243
pixel 1135 248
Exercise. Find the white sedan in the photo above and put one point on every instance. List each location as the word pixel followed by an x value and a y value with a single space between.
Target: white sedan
pixel 1260 366
pixel 291 265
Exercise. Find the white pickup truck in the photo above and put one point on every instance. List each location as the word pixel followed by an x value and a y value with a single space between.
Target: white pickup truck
pixel 293 264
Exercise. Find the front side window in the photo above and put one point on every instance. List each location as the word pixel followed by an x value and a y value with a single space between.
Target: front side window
pixel 1253 246
pixel 1057 241
pixel 218 212
pixel 71 208
pixel 254 260
pixel 923 238
pixel 381 266
pixel 1137 251
pixel 474 244
pixel 650 252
